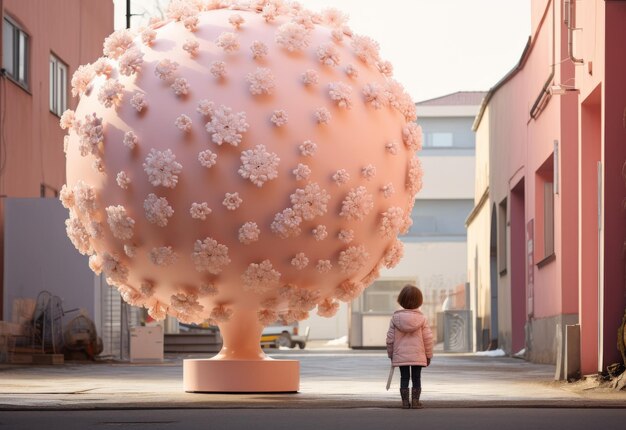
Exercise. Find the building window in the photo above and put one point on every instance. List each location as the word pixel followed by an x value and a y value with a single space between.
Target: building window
pixel 544 204
pixel 382 296
pixel 58 86
pixel 15 52
pixel 448 133
pixel 441 140
pixel 502 239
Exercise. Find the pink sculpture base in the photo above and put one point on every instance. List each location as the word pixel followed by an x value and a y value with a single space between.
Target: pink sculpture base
pixel 241 366
pixel 241 376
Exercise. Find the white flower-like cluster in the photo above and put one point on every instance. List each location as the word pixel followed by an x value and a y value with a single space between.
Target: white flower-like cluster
pixel 158 311
pixel 414 176
pixel 368 172
pixel 228 42
pixel 334 17
pixel 310 77
pixel 117 43
pixel 148 36
pixel 165 69
pixel 393 254
pixel 301 172
pixel 162 168
pixel 258 165
pixel 324 266
pixel 115 271
pixel 259 50
pixel 221 313
pixel 138 101
pixel 341 176
pixel 388 190
pixel 192 47
pixel 236 21
pixel 130 250
pixel 94 229
pixel 131 61
pixel 320 232
pixel 260 278
pixel 357 204
pixel 300 261
pixel 348 290
pixel 157 210
pixel 261 81
pixel 207 158
pixel 303 299
pixel 391 147
pixel 123 180
pixel 68 119
pixel 353 259
pixel 183 122
pixel 392 221
pixel 163 256
pixel 267 316
pixel 279 118
pixel 208 289
pixel 91 135
pixel 249 233
pixel 81 79
pixel 352 71
pixel 412 136
pixel 366 49
pixel 232 201
pixel 180 86
pixel 292 315
pixel 322 115
pixel 130 139
pixel 120 223
pixel 210 256
pixel 328 55
pixel 218 69
pixel 307 148
pixel 67 197
pixel 78 235
pixel 310 202
pixel 327 308
pixel 346 235
pixel 85 197
pixel 385 68
pixel 375 95
pixel 186 303
pixel 286 224
pixel 226 126
pixel 341 94
pixel 293 37
pixel 103 67
pixel 200 210
pixel 205 107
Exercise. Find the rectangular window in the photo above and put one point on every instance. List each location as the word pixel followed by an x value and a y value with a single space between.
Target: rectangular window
pixel 15 52
pixel 58 86
pixel 544 207
pixel 548 219
pixel 502 239
pixel 441 140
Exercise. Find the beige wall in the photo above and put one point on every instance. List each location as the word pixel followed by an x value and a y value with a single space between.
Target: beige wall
pixel 447 177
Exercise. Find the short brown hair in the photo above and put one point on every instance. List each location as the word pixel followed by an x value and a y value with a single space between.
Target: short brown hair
pixel 410 297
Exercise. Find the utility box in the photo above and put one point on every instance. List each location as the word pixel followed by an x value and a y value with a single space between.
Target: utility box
pixel 457 331
pixel 146 344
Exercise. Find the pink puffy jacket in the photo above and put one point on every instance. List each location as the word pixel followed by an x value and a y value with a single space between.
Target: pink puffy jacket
pixel 409 339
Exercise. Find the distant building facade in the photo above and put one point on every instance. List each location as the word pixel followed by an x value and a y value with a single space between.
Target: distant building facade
pixel 435 249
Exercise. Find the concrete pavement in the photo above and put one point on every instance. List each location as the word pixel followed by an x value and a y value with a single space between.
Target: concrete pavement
pixel 333 378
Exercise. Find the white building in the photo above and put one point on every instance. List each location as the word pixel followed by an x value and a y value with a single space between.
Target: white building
pixel 436 246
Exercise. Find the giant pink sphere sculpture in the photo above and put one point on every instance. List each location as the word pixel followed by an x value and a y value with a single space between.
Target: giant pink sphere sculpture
pixel 240 164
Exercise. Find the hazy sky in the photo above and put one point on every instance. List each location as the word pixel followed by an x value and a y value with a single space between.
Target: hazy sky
pixel 436 46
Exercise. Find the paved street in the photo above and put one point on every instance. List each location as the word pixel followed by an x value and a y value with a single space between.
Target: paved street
pixel 329 379
pixel 305 419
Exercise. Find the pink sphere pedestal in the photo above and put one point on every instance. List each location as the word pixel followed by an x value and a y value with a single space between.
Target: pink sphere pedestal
pixel 241 365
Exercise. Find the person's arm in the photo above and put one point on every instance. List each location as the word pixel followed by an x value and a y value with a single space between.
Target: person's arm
pixel 391 333
pixel 427 337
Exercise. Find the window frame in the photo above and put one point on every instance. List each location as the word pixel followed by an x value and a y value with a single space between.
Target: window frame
pixel 20 61
pixel 503 242
pixel 58 87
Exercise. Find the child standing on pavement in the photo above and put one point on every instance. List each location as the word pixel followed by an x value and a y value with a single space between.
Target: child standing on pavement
pixel 410 344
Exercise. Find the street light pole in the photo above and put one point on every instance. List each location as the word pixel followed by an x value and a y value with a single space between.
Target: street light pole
pixel 128 14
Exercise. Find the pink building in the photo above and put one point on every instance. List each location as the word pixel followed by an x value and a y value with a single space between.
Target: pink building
pixel 538 260
pixel 43 42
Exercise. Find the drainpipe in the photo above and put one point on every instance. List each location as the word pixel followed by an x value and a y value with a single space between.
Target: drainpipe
pixel 570 17
pixel 538 104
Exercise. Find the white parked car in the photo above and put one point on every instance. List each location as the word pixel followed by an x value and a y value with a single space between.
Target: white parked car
pixel 277 335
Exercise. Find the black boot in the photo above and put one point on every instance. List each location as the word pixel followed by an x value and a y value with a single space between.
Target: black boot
pixel 415 398
pixel 404 393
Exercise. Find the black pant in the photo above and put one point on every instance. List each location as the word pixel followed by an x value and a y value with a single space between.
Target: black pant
pixel 412 372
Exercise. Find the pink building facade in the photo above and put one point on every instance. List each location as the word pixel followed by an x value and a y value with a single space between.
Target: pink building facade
pixel 552 133
pixel 43 42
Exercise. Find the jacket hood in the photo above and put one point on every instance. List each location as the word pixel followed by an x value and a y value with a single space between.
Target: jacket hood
pixel 408 320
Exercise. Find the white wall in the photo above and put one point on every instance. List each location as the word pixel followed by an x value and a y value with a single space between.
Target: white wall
pixel 39 256
pixel 447 177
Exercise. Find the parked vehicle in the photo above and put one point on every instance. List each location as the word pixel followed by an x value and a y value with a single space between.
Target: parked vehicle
pixel 277 335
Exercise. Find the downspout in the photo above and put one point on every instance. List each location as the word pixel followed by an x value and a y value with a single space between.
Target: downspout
pixel 570 16
pixel 537 105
